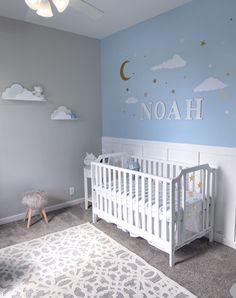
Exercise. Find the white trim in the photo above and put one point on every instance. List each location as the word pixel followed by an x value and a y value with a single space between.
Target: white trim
pixel 219 238
pixel 221 158
pixel 202 148
pixel 48 209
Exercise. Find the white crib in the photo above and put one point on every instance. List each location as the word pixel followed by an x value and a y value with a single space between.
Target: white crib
pixel 167 203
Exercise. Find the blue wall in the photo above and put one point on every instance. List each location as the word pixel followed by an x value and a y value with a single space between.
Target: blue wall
pixel 193 52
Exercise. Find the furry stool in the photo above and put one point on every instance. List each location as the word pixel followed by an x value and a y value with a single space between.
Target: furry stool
pixel 35 200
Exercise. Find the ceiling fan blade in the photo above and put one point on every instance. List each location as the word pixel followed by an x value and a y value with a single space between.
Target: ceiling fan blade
pixel 88 9
pixel 61 5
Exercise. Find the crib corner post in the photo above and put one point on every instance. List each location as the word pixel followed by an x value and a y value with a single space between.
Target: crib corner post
pixel 172 258
pixel 211 235
pixel 172 224
pixel 95 217
pixel 212 215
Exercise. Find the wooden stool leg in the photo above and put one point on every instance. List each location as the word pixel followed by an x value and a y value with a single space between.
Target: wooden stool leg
pixel 41 213
pixel 29 217
pixel 44 215
pixel 26 214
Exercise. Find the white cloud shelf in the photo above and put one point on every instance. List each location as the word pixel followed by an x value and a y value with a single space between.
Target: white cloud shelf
pixel 18 93
pixel 64 114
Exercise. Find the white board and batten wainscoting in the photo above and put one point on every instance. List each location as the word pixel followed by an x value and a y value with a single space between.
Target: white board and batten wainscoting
pixel 222 158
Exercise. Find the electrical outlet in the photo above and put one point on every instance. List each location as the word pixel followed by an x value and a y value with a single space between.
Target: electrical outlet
pixel 72 191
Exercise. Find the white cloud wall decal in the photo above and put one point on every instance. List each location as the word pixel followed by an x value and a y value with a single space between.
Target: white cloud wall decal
pixel 175 62
pixel 131 100
pixel 210 84
pixel 63 113
pixel 17 92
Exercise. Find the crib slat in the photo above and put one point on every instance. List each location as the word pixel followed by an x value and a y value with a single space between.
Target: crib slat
pixel 193 181
pixel 101 186
pixel 136 209
pixel 119 196
pixel 125 198
pixel 156 219
pixel 143 203
pixel 105 188
pixel 164 219
pixel 202 188
pixel 213 181
pixel 207 181
pixel 149 221
pixel 172 222
pixel 179 212
pixel 131 221
pixel 184 189
pixel 115 191
pixel 96 183
pixel 109 190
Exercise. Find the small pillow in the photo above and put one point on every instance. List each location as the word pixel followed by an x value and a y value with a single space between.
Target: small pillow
pixel 133 165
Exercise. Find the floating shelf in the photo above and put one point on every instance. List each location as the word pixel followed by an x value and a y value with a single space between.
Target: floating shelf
pixel 18 93
pixel 62 113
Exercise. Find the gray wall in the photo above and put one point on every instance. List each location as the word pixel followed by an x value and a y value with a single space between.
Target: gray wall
pixel 36 152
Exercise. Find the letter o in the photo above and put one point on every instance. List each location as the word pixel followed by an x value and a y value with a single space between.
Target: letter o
pixel 160 110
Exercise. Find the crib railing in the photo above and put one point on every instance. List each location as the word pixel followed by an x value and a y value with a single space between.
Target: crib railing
pixel 199 179
pixel 132 200
pixel 162 168
pixel 116 159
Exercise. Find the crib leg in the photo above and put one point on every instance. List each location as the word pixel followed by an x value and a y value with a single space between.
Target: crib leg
pixel 211 235
pixel 172 259
pixel 95 218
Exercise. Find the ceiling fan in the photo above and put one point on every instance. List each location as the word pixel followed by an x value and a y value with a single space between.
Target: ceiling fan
pixel 44 7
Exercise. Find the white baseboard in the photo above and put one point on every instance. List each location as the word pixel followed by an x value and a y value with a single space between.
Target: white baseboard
pixel 48 209
pixel 220 238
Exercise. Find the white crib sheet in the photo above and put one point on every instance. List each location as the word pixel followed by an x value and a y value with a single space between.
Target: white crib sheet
pixel 193 207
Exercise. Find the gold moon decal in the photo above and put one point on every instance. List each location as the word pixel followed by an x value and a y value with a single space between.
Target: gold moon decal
pixel 122 74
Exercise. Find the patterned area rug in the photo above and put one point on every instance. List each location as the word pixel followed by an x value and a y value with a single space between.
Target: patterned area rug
pixel 80 262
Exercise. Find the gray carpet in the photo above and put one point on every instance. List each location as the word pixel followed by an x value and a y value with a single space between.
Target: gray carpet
pixel 207 270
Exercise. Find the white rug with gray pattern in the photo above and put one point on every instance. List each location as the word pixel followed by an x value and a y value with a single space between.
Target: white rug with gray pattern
pixel 80 262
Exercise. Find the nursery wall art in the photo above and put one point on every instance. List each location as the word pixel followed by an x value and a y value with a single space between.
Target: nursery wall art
pixel 172 78
pixel 63 113
pixel 17 92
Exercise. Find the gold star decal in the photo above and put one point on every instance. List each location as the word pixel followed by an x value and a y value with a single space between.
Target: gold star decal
pixel 200 185
pixel 191 178
pixel 202 43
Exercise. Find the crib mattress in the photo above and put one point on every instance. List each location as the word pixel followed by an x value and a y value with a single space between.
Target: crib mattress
pixel 123 193
pixel 194 200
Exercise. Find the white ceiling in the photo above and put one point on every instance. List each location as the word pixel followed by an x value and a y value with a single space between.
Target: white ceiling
pixel 118 15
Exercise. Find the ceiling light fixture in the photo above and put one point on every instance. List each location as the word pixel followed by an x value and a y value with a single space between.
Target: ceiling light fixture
pixel 43 7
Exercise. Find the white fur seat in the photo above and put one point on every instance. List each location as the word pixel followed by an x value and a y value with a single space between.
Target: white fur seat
pixel 35 200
